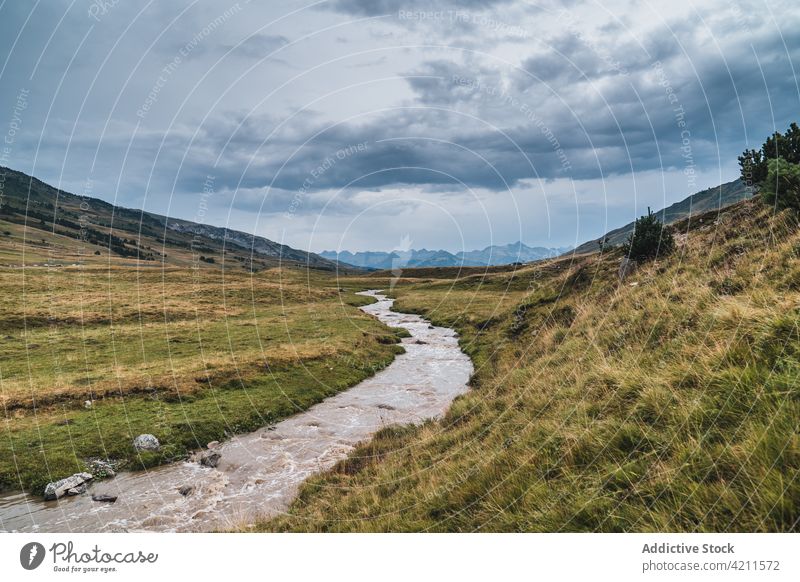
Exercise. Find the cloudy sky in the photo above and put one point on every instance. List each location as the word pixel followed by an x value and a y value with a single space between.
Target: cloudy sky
pixel 358 124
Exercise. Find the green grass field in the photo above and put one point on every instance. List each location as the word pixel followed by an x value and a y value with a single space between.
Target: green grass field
pixel 189 356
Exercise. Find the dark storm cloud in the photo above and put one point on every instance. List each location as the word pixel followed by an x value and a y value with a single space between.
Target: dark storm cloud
pixel 591 108
pixel 469 24
pixel 378 7
pixel 393 148
pixel 577 130
pixel 498 128
pixel 627 110
pixel 581 98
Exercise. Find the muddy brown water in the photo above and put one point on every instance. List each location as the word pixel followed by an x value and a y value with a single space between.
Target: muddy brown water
pixel 260 472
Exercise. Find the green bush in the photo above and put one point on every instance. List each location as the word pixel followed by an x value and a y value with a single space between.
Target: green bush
pixel 754 164
pixel 781 187
pixel 649 238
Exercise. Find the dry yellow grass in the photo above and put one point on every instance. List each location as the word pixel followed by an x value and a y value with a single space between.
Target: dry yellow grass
pixel 192 355
pixel 667 402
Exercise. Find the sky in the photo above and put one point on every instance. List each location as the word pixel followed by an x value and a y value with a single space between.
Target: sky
pixel 383 124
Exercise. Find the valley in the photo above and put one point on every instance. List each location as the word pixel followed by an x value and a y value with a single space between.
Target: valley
pixel 660 397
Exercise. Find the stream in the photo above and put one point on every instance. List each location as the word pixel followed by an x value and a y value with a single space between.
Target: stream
pixel 260 473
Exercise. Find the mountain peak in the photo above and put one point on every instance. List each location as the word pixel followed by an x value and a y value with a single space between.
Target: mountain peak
pixel 491 255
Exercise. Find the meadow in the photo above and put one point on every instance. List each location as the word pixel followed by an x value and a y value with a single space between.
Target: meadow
pixel 93 355
pixel 667 401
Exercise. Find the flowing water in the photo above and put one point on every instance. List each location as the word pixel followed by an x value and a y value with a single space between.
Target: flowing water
pixel 259 473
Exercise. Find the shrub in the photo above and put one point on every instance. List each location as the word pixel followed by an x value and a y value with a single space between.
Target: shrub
pixel 650 237
pixel 781 188
pixel 754 164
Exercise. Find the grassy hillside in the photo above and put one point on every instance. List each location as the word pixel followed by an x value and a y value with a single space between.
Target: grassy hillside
pixel 705 201
pixel 667 402
pixel 42 225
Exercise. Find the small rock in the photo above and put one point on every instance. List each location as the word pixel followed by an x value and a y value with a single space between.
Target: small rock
pixel 386 407
pixel 210 459
pixel 87 404
pixel 146 442
pixel 79 490
pixel 431 327
pixel 62 487
pixel 104 498
pixel 212 445
pixel 421 343
pixel 186 490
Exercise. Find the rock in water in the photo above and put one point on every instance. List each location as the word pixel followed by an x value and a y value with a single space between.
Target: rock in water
pixel 210 459
pixel 79 490
pixel 146 442
pixel 186 490
pixel 63 487
pixel 104 498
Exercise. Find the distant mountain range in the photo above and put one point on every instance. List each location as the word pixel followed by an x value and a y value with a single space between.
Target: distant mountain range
pixel 714 198
pixel 490 256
